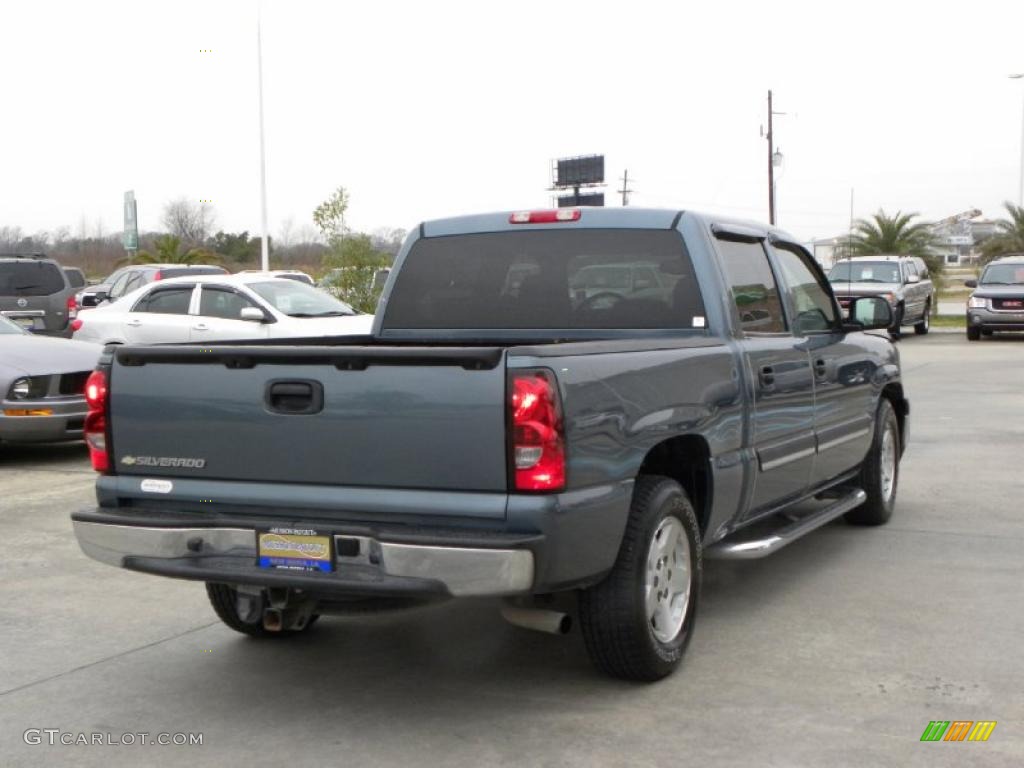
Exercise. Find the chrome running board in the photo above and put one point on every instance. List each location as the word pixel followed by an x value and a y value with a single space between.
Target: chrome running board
pixel 751 549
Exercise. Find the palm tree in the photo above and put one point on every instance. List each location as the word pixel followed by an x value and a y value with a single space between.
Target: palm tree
pixel 1009 236
pixel 884 234
pixel 167 250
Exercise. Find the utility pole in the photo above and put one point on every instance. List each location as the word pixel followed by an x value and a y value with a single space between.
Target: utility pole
pixel 771 167
pixel 265 242
pixel 625 188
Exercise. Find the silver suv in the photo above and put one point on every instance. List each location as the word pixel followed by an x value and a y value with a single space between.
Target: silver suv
pixel 902 280
pixel 36 294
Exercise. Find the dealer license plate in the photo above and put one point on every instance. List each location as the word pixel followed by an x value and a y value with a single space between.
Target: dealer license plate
pixel 25 322
pixel 294 549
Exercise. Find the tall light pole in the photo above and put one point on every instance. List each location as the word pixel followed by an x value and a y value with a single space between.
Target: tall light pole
pixel 265 242
pixel 773 161
pixel 1020 191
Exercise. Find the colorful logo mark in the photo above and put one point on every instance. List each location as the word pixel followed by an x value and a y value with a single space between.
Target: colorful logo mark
pixel 958 730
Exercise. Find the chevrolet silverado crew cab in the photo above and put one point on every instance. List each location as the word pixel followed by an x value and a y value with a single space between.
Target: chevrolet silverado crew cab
pixel 508 429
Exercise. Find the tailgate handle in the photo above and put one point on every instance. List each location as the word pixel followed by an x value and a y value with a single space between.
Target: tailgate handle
pixel 295 398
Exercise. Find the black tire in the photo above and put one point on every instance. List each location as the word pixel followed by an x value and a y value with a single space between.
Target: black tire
pixel 225 605
pixel 973 334
pixel 618 630
pixel 881 500
pixel 925 325
pixel 895 330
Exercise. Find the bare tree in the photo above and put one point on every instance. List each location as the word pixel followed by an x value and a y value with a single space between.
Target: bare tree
pixel 284 234
pixel 188 220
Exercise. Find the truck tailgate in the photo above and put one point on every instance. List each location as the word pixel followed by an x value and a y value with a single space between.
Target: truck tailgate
pixel 397 417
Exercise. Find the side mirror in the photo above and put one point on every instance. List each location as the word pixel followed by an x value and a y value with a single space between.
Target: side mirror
pixel 911 279
pixel 971 283
pixel 252 314
pixel 868 313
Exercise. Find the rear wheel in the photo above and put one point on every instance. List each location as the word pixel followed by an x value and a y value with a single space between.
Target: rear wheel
pixel 925 325
pixel 973 334
pixel 244 613
pixel 879 474
pixel 637 622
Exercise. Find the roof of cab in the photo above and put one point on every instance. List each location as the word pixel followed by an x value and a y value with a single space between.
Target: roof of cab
pixel 590 218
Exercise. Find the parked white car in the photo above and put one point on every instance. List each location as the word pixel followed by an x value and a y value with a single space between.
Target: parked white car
pixel 219 308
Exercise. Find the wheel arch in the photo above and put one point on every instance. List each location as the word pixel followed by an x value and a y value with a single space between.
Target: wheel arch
pixel 687 460
pixel 893 392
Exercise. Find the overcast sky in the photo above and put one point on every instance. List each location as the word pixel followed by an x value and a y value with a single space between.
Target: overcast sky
pixel 429 109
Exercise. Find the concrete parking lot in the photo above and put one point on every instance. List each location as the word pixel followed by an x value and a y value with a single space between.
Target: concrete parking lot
pixel 837 651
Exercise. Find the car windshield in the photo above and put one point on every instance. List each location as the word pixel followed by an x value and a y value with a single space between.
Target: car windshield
pixel 7 327
pixel 297 299
pixel 865 272
pixel 30 278
pixel 1003 274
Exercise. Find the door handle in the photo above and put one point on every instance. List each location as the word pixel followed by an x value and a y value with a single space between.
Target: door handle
pixel 134 323
pixel 766 376
pixel 295 397
pixel 200 327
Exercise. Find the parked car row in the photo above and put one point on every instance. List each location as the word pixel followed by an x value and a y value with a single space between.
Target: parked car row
pixel 219 307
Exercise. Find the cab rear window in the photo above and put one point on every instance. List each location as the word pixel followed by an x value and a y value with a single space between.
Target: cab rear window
pixel 542 279
pixel 30 278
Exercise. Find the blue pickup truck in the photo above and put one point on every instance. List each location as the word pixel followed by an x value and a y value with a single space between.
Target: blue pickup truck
pixel 569 409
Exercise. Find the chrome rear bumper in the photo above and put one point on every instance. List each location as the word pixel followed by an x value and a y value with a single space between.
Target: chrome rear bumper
pixel 229 554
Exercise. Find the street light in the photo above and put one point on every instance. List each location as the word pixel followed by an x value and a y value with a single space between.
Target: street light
pixel 1020 191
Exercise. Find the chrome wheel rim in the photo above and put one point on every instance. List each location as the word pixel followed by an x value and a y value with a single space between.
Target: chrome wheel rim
pixel 667 583
pixel 927 317
pixel 888 463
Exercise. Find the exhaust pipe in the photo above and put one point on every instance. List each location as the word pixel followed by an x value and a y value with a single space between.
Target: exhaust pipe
pixel 538 619
pixel 272 620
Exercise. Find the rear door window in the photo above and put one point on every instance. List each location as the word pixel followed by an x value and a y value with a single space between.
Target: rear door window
pixel 30 278
pixel 173 300
pixel 547 279
pixel 752 285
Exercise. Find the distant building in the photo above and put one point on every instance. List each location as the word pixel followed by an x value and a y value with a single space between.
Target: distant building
pixel 824 250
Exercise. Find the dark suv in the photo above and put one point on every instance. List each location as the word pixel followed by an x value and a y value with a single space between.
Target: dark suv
pixel 997 303
pixel 36 294
pixel 127 279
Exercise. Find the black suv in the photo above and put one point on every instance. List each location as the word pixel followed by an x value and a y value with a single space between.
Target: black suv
pixel 36 294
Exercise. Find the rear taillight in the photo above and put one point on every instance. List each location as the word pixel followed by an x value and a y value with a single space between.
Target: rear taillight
pixel 96 420
pixel 538 441
pixel 158 275
pixel 76 324
pixel 72 308
pixel 545 217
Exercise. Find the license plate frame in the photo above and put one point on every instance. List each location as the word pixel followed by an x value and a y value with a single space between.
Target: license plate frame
pixel 24 321
pixel 295 549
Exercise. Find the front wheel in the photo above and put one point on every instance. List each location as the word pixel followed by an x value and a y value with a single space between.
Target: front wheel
pixel 879 474
pixel 973 334
pixel 895 329
pixel 925 325
pixel 637 622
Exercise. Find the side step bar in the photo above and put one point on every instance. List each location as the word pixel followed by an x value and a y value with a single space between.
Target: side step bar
pixel 751 549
